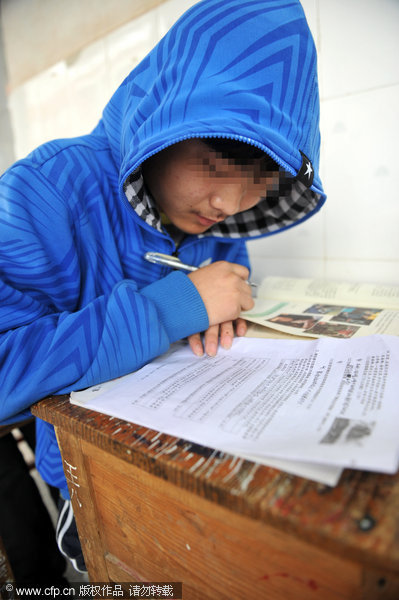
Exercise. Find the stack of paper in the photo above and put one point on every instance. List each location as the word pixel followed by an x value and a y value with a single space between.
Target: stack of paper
pixel 308 407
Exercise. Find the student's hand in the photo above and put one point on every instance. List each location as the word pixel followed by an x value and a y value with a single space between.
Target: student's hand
pixel 224 290
pixel 210 343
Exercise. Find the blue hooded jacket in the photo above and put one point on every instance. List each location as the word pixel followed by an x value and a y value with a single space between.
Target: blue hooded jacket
pixel 78 303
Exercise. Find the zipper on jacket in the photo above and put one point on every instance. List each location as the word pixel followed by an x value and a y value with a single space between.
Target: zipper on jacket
pixel 238 138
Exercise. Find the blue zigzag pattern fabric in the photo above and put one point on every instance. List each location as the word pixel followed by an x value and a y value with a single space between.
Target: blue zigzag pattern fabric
pixel 256 58
pixel 78 303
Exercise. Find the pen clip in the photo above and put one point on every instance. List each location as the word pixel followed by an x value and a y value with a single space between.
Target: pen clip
pixel 173 261
pixel 170 261
pixel 159 258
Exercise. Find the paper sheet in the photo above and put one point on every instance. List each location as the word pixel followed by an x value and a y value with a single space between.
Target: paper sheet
pixel 329 402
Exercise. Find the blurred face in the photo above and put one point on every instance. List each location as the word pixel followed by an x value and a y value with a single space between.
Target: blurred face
pixel 196 187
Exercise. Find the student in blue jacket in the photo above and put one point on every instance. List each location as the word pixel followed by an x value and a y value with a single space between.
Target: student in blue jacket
pixel 211 141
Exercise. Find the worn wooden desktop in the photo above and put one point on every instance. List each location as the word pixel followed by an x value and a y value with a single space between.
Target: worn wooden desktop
pixel 150 507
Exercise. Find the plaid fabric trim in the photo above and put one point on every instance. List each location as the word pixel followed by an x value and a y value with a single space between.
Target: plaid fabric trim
pixel 141 201
pixel 291 202
pixel 280 209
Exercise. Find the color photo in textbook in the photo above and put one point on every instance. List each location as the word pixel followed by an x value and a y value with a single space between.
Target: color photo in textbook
pixel 342 321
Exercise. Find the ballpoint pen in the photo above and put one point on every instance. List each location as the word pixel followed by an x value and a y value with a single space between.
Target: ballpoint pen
pixel 173 261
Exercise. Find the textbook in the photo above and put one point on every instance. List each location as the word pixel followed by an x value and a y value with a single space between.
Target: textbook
pixel 308 407
pixel 294 308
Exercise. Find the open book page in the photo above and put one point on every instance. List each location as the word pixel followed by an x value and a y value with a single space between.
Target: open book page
pixel 327 401
pixel 330 291
pixel 260 331
pixel 320 308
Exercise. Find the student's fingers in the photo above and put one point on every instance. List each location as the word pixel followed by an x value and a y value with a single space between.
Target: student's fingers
pixel 241 327
pixel 226 335
pixel 224 332
pixel 211 340
pixel 240 270
pixel 227 332
pixel 246 299
pixel 195 343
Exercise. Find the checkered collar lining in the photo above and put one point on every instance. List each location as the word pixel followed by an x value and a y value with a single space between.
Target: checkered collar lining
pixel 281 208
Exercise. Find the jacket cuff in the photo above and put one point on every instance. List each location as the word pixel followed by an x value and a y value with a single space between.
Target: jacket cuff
pixel 179 305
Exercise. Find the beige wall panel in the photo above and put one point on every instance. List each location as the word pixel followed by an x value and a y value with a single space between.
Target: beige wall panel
pixel 38 33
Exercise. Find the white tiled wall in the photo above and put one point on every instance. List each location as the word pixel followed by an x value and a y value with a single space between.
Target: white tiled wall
pixel 356 235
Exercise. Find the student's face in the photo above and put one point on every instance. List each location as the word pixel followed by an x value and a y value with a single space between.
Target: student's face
pixel 196 187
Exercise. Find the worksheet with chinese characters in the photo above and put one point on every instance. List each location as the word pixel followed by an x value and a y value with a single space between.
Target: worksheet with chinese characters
pixel 329 402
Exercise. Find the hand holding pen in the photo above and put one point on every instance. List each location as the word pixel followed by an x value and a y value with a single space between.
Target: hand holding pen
pixel 224 289
pixel 175 262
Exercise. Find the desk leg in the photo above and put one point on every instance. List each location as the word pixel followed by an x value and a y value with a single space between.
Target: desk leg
pixel 84 507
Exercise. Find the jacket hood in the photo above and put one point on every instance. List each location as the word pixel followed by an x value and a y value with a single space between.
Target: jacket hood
pixel 235 69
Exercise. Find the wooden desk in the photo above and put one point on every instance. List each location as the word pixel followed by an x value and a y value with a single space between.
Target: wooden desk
pixel 150 507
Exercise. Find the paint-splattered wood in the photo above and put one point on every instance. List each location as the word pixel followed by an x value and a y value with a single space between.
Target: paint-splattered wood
pixel 357 519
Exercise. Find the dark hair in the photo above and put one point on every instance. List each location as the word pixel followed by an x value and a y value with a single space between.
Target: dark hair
pixel 240 152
